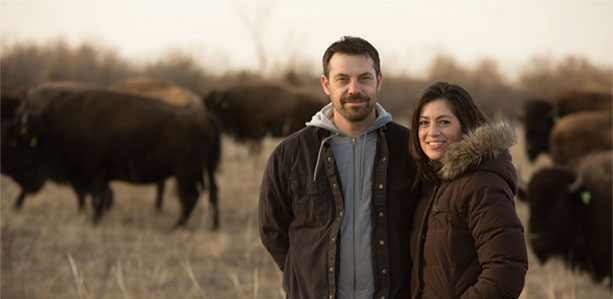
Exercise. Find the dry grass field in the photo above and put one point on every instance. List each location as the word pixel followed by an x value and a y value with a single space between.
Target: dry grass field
pixel 49 250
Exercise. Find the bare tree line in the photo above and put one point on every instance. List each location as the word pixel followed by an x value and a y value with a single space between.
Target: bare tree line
pixel 26 63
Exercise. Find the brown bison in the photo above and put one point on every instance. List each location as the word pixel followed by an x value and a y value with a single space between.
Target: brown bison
pixel 577 134
pixel 88 137
pixel 570 214
pixel 38 95
pixel 539 116
pixel 250 112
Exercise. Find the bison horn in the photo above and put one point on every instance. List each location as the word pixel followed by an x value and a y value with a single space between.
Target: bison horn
pixel 574 186
pixel 23 123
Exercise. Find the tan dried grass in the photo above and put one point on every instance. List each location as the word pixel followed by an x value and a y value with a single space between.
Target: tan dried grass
pixel 49 250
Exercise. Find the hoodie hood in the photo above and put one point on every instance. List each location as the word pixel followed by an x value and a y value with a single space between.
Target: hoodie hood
pixel 485 148
pixel 322 119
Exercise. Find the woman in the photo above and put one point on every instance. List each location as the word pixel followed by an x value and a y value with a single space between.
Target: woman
pixel 467 241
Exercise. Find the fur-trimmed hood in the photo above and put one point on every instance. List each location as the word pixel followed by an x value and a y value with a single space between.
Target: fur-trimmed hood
pixel 487 142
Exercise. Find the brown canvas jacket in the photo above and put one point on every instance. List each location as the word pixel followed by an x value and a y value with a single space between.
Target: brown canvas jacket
pixel 300 218
pixel 468 241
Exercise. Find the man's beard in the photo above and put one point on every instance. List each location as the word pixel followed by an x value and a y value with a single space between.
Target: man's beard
pixel 356 113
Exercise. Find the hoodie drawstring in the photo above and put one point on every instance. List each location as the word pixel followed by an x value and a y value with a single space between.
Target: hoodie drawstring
pixel 321 146
pixel 362 165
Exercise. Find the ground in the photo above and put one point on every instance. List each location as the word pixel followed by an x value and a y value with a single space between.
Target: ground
pixel 50 250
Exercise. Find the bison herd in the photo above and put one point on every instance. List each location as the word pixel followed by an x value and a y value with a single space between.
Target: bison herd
pixel 570 201
pixel 140 131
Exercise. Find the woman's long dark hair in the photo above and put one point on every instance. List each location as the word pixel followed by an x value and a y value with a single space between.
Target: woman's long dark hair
pixel 462 106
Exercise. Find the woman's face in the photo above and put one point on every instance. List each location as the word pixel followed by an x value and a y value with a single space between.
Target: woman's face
pixel 438 127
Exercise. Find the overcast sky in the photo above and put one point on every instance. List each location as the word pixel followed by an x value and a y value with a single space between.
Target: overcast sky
pixel 407 33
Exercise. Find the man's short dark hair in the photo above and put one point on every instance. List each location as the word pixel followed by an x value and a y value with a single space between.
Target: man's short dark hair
pixel 353 46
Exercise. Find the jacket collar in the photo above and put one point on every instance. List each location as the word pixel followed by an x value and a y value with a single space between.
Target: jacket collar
pixel 487 142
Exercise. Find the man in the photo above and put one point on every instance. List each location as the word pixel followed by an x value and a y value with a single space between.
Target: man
pixel 335 196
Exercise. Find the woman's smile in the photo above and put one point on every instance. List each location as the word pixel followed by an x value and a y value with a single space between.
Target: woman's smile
pixel 438 127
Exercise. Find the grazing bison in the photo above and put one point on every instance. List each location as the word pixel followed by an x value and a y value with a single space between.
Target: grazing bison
pixel 156 88
pixel 250 112
pixel 539 116
pixel 577 134
pixel 570 215
pixel 89 137
pixel 38 96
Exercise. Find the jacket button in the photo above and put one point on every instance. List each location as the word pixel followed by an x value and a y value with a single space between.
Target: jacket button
pixel 341 213
pixel 380 186
pixel 333 186
pixel 383 271
pixel 331 269
pixel 382 297
pixel 330 158
pixel 331 296
pixel 381 214
pixel 381 242
pixel 333 239
pixel 384 159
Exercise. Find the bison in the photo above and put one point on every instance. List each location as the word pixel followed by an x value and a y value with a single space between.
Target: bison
pixel 539 115
pixel 38 96
pixel 251 111
pixel 570 214
pixel 577 134
pixel 91 136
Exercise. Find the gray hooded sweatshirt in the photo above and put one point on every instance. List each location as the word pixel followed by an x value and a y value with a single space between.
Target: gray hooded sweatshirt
pixel 354 159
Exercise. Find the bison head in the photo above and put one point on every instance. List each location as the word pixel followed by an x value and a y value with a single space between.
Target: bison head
pixel 215 102
pixel 20 155
pixel 538 119
pixel 554 200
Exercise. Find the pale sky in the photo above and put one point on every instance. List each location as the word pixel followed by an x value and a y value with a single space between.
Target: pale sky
pixel 406 33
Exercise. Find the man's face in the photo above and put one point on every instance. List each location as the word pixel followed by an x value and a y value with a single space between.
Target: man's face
pixel 352 86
